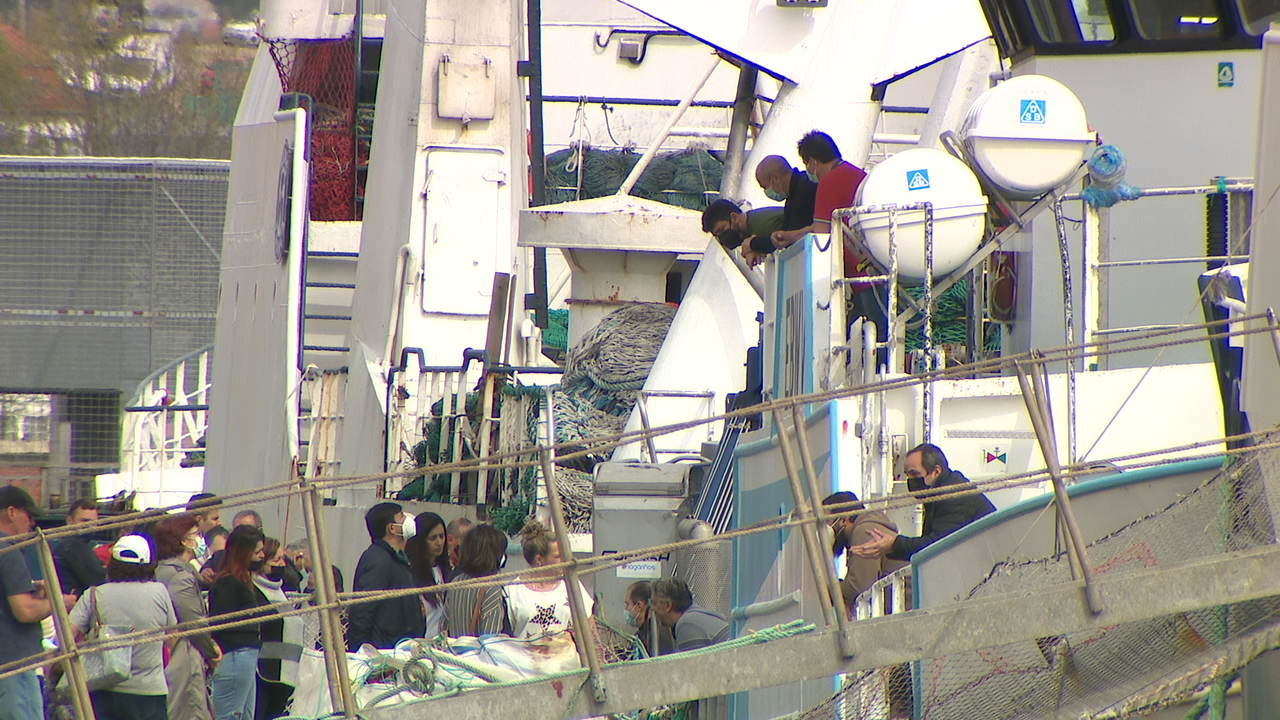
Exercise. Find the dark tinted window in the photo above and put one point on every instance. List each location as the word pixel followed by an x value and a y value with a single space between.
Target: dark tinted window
pixel 1177 19
pixel 1258 14
pixel 1073 22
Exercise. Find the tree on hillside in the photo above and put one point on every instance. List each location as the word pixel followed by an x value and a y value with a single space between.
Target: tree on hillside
pixel 144 94
pixel 38 113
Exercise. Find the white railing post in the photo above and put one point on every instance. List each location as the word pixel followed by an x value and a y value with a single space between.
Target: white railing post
pixel 886 596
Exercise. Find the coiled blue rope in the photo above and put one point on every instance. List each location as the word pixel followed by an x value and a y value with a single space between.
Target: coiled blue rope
pixel 1106 179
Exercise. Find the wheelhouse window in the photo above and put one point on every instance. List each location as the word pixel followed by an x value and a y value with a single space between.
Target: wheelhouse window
pixel 1074 22
pixel 1177 19
pixel 1024 28
pixel 1259 14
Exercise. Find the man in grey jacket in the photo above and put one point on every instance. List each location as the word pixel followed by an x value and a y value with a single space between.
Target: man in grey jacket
pixel 693 626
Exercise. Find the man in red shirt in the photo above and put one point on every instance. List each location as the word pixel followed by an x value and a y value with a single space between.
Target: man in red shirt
pixel 838 183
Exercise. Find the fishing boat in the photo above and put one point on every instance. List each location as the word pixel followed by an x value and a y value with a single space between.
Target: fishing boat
pixel 389 271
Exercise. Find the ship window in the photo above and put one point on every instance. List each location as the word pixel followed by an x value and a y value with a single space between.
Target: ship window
pixel 1005 29
pixel 1079 21
pixel 1258 14
pixel 1177 19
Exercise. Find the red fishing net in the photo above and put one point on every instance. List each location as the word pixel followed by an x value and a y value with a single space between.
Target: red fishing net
pixel 325 70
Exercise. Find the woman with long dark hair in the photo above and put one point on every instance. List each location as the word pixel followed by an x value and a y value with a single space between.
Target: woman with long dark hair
pixel 235 682
pixel 478 611
pixel 281 639
pixel 429 563
pixel 176 538
pixel 131 597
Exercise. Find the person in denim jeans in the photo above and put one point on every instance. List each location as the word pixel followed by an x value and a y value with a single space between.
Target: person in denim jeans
pixel 20 697
pixel 235 682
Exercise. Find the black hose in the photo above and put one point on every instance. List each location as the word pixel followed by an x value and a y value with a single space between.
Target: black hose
pixel 1216 228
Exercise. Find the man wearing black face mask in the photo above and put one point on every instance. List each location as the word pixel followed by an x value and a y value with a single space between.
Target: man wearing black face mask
pixel 384 566
pixel 927 469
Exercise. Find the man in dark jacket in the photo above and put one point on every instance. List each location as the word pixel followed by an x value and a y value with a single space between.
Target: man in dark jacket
pixel 926 468
pixel 78 568
pixel 384 566
pixel 782 183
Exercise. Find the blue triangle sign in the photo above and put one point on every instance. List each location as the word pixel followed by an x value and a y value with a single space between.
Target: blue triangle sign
pixel 1031 112
pixel 917 179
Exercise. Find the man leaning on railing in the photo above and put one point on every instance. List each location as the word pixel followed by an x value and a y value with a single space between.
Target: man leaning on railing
pixel 848 531
pixel 927 469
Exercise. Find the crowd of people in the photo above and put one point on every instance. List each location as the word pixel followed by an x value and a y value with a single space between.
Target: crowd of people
pixel 186 568
pixel 810 196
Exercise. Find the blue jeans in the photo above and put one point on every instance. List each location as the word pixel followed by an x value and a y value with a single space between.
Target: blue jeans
pixel 20 697
pixel 235 685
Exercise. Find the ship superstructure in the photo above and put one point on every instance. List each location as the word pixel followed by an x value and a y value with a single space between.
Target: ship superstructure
pixel 417 307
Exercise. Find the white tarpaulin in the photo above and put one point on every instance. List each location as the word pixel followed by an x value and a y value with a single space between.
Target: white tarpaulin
pixel 155 488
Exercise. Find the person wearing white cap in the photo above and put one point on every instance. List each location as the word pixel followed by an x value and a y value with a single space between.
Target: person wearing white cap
pixel 131 597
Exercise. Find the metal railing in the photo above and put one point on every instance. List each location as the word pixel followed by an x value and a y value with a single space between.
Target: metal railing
pixel 414 389
pixel 642 408
pixel 1095 247
pixel 887 596
pixel 862 366
pixel 1097 262
pixel 168 416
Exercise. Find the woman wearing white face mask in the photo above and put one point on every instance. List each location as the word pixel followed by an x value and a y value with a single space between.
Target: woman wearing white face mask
pixel 177 539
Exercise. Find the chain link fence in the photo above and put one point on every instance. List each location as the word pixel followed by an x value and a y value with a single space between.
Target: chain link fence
pixel 108 271
pixel 1120 671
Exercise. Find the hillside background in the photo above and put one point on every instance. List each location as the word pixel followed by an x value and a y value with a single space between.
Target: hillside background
pixel 139 78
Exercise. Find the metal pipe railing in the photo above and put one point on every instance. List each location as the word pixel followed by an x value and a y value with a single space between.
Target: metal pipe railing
pixel 1069 322
pixel 1095 251
pixel 1173 261
pixel 886 596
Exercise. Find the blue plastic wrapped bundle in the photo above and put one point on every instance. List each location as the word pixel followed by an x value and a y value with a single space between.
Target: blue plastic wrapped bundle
pixel 1106 175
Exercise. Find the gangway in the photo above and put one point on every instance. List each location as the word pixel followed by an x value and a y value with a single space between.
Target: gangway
pixel 1227 579
pixel 1163 613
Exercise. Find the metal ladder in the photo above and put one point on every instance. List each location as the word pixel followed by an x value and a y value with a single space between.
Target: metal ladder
pixel 328 288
